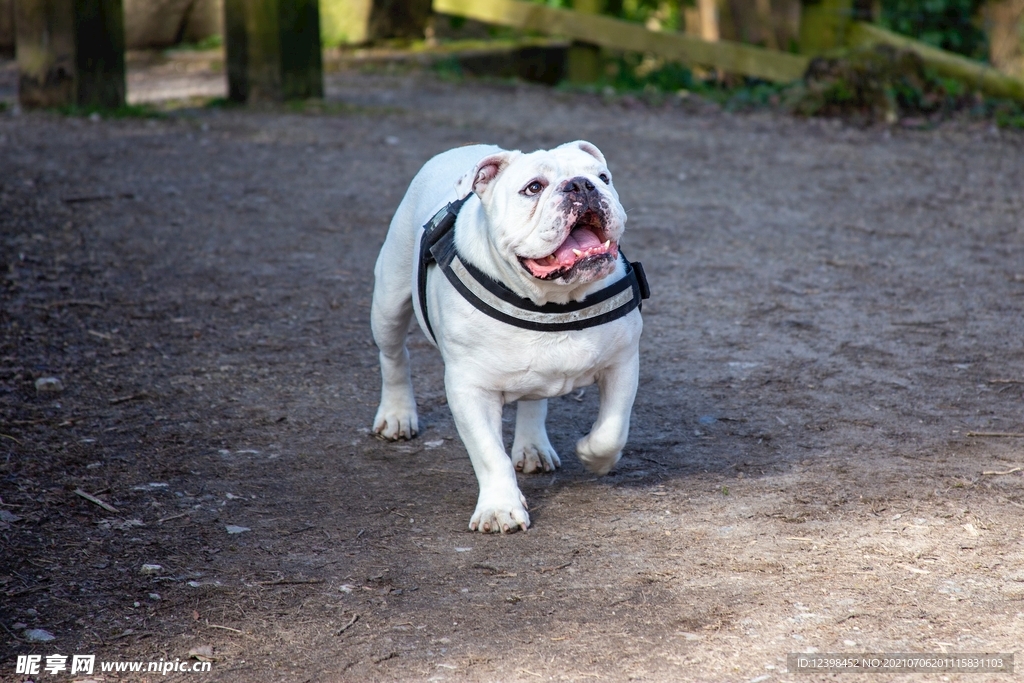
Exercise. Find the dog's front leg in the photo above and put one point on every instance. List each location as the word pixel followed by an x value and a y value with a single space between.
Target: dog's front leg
pixel 602 447
pixel 500 506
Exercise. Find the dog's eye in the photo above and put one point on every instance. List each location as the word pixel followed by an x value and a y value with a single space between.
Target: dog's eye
pixel 534 188
pixel 605 179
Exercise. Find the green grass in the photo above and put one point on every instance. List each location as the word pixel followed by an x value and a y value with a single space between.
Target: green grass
pixel 126 111
pixel 208 43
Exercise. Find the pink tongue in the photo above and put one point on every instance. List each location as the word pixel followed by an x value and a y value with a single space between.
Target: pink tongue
pixel 580 238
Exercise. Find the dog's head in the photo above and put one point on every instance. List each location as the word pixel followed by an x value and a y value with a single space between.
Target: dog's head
pixel 553 215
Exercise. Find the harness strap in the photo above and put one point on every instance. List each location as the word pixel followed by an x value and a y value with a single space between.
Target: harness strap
pixel 436 228
pixel 499 302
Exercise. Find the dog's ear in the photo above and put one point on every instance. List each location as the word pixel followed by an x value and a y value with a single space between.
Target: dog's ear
pixel 483 174
pixel 588 147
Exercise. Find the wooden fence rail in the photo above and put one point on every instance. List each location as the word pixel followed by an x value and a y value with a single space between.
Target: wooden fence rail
pixel 748 60
pixel 771 65
pixel 979 75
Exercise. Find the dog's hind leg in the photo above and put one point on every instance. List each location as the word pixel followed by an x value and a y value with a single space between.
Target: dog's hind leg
pixel 390 316
pixel 531 449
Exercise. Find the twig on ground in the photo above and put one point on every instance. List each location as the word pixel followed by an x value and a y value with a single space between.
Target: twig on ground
pixel 125 399
pixel 26 591
pixel 11 633
pixel 352 621
pixel 997 473
pixel 553 569
pixel 74 302
pixel 288 582
pixel 8 436
pixel 225 628
pixel 93 499
pixel 1008 435
pixel 167 519
pixel 88 198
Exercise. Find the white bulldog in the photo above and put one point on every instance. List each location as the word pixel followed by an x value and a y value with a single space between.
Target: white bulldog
pixel 547 226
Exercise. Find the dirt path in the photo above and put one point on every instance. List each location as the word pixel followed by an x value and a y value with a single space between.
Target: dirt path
pixel 835 313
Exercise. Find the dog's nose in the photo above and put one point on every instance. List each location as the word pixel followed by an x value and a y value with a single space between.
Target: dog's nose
pixel 578 185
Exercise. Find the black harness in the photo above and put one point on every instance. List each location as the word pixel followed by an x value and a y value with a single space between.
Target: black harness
pixel 437 246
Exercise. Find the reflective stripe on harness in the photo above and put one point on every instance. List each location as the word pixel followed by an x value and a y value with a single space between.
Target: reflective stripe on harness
pixel 437 246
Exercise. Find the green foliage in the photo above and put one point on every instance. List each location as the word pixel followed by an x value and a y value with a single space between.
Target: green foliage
pixel 448 69
pixel 946 24
pixel 666 14
pixel 222 103
pixel 635 72
pixel 873 85
pixel 1006 114
pixel 652 80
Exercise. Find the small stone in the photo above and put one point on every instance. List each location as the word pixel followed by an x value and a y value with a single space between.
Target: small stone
pixel 151 569
pixel 38 635
pixel 204 653
pixel 7 516
pixel 19 625
pixel 232 529
pixel 154 596
pixel 49 385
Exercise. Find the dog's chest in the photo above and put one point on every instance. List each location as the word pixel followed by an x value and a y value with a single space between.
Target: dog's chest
pixel 544 365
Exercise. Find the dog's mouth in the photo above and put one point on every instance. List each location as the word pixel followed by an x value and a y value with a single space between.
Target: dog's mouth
pixel 586 247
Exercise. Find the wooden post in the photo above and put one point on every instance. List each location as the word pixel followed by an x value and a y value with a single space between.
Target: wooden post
pixel 702 20
pixel 302 71
pixel 823 25
pixel 99 57
pixel 1004 24
pixel 584 59
pixel 708 10
pixel 70 52
pixel 273 50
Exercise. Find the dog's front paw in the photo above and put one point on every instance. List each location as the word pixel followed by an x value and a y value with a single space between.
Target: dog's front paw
pixel 500 512
pixel 394 422
pixel 535 457
pixel 597 460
